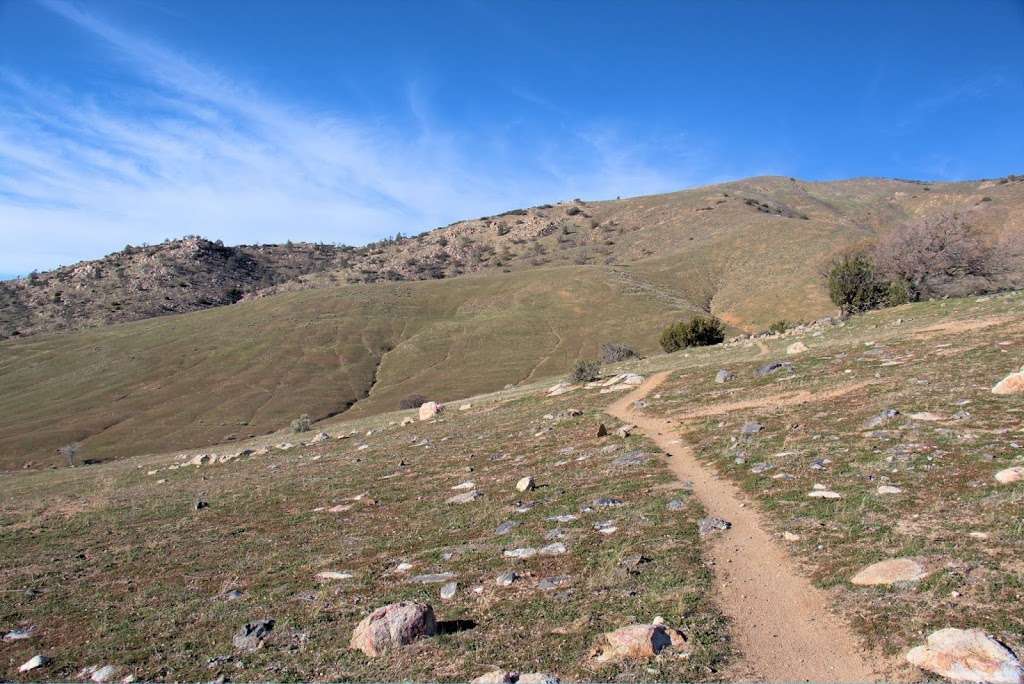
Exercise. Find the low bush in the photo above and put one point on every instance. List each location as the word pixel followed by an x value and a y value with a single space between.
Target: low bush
pixel 854 285
pixel 302 424
pixel 585 370
pixel 697 332
pixel 613 352
pixel 412 401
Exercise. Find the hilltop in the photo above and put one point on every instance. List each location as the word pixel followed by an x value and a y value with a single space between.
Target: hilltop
pixel 708 247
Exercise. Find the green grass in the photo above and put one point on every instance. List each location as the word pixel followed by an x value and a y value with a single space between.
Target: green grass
pixel 128 573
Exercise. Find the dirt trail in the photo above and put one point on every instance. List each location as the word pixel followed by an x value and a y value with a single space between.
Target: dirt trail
pixel 781 623
pixel 774 401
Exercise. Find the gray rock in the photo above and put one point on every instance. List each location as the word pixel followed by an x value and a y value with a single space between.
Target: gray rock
pixel 608 502
pixel 251 636
pixel 468 497
pixel 552 583
pixel 564 518
pixel 506 579
pixel 751 428
pixel 35 662
pixel 433 578
pixel 556 549
pixel 632 458
pixel 676 505
pixel 723 376
pixel 880 419
pixel 20 634
pixel 759 468
pixel 448 591
pixel 633 562
pixel 555 535
pixel 232 595
pixel 505 527
pixel 520 553
pixel 773 367
pixel 711 524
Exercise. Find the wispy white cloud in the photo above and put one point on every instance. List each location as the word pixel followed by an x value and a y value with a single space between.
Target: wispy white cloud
pixel 188 149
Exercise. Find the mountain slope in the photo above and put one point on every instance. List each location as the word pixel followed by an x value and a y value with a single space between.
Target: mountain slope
pixel 231 372
pixel 782 228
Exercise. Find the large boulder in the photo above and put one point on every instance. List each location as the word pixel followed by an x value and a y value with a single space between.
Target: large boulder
pixel 1010 475
pixel 636 642
pixel 890 572
pixel 796 348
pixel 1011 384
pixel 393 626
pixel 429 410
pixel 967 655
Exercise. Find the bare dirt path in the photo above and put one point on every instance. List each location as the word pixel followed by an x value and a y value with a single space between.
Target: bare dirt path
pixel 781 624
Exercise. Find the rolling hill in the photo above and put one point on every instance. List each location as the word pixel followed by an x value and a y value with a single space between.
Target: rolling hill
pixel 460 310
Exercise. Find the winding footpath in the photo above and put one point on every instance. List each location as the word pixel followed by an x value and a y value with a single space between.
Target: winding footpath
pixel 782 625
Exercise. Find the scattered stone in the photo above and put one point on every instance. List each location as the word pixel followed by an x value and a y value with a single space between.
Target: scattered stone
pixel 429 410
pixel 676 505
pixel 200 504
pixel 555 582
pixel 711 524
pixel 556 549
pixel 967 655
pixel 525 484
pixel 608 502
pixel 820 463
pixel 790 537
pixel 555 535
pixel 20 634
pixel 99 674
pixel 465 407
pixel 506 579
pixel 796 348
pixel 35 662
pixel 751 428
pixel 606 527
pixel 320 438
pixel 1010 475
pixel 504 677
pixel 632 458
pixel 633 563
pixel 723 376
pixel 520 553
pixel 1011 384
pixel 468 484
pixel 560 389
pixel 636 642
pixel 760 468
pixel 602 431
pixel 408 420
pixel 625 431
pixel 564 518
pixel 631 379
pixel 232 595
pixel 448 591
pixel 505 527
pixel 889 489
pixel 978 535
pixel 926 416
pixel 881 419
pixel 333 575
pixel 403 567
pixel 433 578
pixel 393 626
pixel 773 367
pixel 252 635
pixel 468 497
pixel 824 494
pixel 890 572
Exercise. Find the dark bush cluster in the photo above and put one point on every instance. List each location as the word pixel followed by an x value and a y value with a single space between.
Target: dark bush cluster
pixel 613 352
pixel 302 424
pixel 697 332
pixel 412 401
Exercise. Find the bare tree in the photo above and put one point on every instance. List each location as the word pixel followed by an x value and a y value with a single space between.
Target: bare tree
pixel 937 256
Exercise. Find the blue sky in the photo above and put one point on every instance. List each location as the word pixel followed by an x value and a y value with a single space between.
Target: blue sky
pixel 138 120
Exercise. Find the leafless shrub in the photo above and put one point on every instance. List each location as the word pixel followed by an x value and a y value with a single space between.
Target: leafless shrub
pixel 940 256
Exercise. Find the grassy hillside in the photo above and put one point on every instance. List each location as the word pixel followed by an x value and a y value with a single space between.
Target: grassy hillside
pixel 233 372
pixel 112 564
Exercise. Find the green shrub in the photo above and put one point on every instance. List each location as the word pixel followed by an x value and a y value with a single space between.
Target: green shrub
pixel 779 326
pixel 302 424
pixel 613 352
pixel 585 370
pixel 697 332
pixel 854 286
pixel 897 293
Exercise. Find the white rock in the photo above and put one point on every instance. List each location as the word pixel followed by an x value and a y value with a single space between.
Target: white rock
pixel 1010 475
pixel 34 662
pixel 465 407
pixel 824 494
pixel 796 348
pixel 468 484
pixel 429 410
pixel 967 655
pixel 889 572
pixel 889 489
pixel 525 484
pixel 1011 384
pixel 334 575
